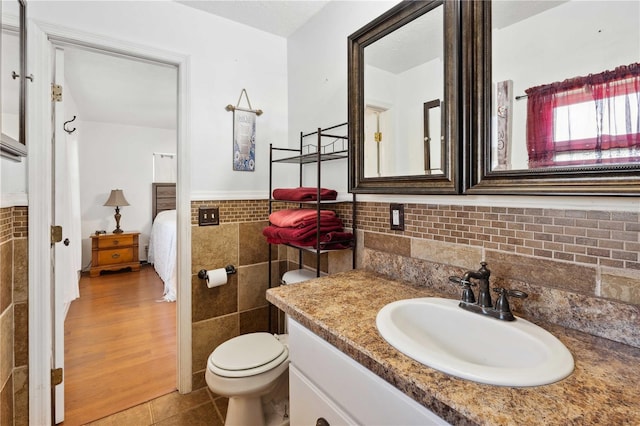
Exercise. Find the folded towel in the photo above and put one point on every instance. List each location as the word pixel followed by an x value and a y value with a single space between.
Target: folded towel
pixel 328 241
pixel 304 193
pixel 299 217
pixel 337 236
pixel 301 234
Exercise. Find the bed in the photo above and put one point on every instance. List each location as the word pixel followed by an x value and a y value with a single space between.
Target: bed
pixel 162 241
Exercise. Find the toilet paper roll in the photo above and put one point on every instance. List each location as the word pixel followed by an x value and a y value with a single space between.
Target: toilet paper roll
pixel 216 277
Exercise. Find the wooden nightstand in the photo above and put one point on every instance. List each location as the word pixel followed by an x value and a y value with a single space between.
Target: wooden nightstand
pixel 113 252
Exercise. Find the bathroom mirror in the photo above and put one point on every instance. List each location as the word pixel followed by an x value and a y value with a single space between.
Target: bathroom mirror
pixel 556 109
pixel 403 88
pixel 12 85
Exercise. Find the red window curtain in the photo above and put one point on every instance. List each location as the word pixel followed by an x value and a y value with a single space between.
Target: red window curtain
pixel 601 89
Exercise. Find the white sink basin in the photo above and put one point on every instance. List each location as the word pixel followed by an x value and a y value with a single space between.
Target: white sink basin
pixel 438 333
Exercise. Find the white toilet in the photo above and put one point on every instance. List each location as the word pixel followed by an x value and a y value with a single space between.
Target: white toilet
pixel 250 366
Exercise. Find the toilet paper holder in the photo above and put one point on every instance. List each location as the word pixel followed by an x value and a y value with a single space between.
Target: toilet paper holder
pixel 230 269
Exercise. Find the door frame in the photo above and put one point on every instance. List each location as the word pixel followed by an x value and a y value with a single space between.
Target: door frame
pixel 39 134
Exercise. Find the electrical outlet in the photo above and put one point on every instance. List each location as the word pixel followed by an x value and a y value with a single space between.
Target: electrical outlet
pixel 396 217
pixel 208 216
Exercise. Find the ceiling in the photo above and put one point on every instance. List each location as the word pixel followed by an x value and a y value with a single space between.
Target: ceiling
pixel 116 89
pixel 277 17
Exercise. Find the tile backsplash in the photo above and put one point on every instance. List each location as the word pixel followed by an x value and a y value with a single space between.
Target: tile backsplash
pixel 590 237
pixel 580 267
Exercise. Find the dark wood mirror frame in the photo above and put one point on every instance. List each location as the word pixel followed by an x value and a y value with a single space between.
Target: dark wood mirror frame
pixel 447 183
pixel 622 180
pixel 23 72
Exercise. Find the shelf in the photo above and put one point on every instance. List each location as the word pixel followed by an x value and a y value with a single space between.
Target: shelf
pixel 315 250
pixel 330 145
pixel 313 157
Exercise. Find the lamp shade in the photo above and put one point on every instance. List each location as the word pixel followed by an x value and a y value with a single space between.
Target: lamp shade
pixel 116 199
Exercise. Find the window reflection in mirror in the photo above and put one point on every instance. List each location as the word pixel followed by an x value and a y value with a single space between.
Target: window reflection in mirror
pixel 565 87
pixel 403 70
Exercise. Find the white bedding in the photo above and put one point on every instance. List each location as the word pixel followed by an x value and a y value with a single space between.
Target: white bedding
pixel 162 251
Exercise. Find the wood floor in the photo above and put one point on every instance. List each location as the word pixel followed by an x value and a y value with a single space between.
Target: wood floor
pixel 120 345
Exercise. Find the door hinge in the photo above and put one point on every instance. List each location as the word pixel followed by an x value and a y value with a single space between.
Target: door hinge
pixel 56 234
pixel 56 376
pixel 56 93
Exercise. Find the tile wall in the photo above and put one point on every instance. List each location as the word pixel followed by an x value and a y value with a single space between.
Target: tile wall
pixel 14 355
pixel 581 268
pixel 240 306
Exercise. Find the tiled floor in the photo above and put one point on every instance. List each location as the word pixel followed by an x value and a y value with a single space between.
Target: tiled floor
pixel 198 408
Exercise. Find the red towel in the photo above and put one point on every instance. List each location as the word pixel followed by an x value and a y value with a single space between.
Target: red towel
pixel 330 240
pixel 299 217
pixel 335 240
pixel 336 236
pixel 304 193
pixel 300 234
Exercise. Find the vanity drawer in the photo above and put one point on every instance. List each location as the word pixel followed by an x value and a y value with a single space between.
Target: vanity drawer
pixel 312 404
pixel 351 388
pixel 110 257
pixel 111 241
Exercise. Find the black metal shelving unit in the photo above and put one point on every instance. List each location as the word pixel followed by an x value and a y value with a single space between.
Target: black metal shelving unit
pixel 327 147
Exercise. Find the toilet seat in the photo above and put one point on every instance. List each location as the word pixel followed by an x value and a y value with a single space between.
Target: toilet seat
pixel 247 355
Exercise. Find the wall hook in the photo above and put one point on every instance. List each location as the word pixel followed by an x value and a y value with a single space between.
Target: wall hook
pixel 64 126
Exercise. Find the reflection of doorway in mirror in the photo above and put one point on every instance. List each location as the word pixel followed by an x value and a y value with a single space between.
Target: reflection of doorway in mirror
pixel 378 141
pixel 433 140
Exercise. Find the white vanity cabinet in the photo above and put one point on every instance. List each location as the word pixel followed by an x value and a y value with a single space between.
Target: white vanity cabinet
pixel 324 383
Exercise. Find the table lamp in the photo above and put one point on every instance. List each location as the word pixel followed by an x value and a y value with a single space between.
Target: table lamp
pixel 116 199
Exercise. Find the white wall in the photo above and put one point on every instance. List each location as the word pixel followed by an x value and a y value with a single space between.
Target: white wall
pixel 116 156
pixel 13 174
pixel 225 57
pixel 317 71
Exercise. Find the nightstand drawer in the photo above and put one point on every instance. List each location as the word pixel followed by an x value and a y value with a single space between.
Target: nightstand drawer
pixel 115 241
pixel 110 257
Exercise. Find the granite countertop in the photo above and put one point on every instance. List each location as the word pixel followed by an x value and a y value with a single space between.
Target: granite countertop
pixel 341 308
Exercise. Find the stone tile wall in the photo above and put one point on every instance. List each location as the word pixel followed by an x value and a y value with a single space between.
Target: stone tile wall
pixel 240 306
pixel 581 268
pixel 14 355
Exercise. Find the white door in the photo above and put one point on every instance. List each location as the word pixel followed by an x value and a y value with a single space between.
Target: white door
pixel 66 213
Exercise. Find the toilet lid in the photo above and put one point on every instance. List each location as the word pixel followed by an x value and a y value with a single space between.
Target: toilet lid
pixel 247 355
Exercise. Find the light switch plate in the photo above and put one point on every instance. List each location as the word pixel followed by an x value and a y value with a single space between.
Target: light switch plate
pixel 208 216
pixel 396 217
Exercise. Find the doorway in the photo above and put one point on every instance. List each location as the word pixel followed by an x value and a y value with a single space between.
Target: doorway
pixel 40 185
pixel 116 112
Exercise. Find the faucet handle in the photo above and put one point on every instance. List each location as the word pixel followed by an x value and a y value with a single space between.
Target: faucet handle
pixel 502 304
pixel 467 293
pixel 512 293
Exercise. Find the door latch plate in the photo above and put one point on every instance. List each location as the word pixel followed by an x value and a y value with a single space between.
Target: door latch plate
pixel 56 376
pixel 56 234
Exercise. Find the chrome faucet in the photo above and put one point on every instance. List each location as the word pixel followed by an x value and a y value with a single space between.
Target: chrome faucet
pixel 484 305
